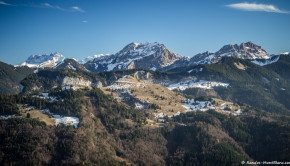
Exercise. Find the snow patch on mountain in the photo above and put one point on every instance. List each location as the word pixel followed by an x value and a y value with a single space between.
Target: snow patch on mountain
pixel 46 96
pixel 75 83
pixel 195 105
pixel 59 119
pixel 71 67
pixel 263 62
pixel 197 84
pixel 205 105
pixel 66 120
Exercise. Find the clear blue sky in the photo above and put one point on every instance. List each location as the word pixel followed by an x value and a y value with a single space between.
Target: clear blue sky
pixel 80 28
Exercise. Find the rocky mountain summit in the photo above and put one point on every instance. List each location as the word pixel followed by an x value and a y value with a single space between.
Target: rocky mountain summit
pixel 150 56
pixel 246 50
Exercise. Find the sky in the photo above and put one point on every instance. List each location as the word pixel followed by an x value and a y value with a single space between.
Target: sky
pixel 81 28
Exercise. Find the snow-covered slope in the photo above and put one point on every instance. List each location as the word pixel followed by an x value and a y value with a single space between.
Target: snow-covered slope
pixel 149 56
pixel 263 62
pixel 43 61
pixel 202 84
pixel 90 58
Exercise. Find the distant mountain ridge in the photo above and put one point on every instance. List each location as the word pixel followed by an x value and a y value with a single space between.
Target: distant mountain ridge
pixel 155 56
pixel 246 50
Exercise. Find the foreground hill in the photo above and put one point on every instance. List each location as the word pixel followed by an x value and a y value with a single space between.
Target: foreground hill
pixel 109 132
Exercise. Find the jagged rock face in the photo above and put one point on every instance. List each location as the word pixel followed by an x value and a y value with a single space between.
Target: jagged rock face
pixel 135 51
pixel 43 61
pixel 135 56
pixel 75 83
pixel 246 50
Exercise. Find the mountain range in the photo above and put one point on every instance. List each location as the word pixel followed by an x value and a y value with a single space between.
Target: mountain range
pixel 154 56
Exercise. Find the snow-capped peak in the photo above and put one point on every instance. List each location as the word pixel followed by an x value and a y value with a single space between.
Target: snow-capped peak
pixel 140 49
pixel 135 55
pixel 285 53
pixel 247 50
pixel 43 61
pixel 90 58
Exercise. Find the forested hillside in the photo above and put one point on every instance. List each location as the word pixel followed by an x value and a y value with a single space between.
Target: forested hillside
pixel 110 132
pixel 10 78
